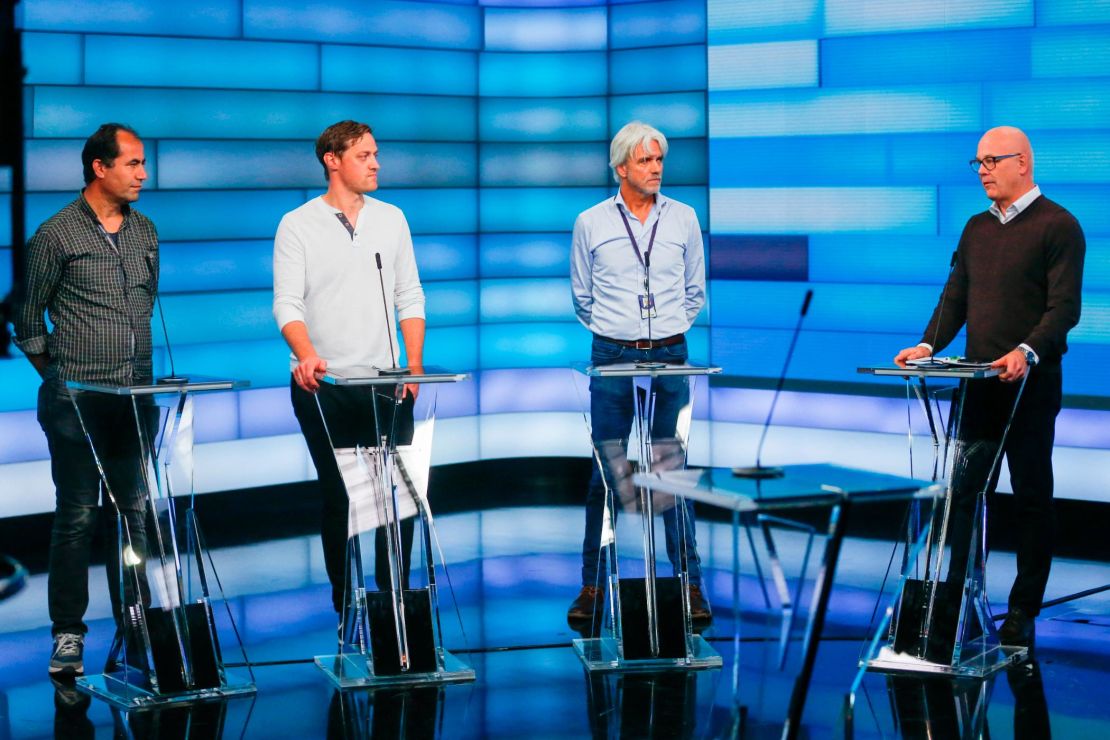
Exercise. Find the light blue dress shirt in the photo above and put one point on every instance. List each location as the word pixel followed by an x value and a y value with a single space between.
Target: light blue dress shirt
pixel 607 278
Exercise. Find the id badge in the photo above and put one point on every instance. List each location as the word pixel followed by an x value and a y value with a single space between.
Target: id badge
pixel 647 306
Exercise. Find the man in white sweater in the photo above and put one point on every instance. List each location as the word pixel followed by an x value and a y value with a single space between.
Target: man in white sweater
pixel 331 257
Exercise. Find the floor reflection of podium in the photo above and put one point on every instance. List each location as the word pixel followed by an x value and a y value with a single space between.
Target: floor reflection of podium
pixel 801 487
pixel 647 626
pixel 939 625
pixel 393 637
pixel 167 648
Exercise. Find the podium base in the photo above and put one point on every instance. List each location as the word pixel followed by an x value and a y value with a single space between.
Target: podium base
pixel 978 660
pixel 115 689
pixel 356 670
pixel 602 654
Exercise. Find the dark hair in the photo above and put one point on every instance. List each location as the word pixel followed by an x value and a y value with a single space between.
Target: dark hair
pixel 103 145
pixel 337 138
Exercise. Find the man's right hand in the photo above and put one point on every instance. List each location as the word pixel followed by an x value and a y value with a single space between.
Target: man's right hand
pixel 911 353
pixel 309 372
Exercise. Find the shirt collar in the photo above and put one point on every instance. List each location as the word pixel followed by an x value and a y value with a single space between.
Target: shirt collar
pixel 88 210
pixel 660 202
pixel 1017 206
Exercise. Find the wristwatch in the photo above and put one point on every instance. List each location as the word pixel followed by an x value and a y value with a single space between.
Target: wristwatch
pixel 1030 358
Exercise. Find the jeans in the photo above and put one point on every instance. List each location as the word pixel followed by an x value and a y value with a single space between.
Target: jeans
pixel 611 414
pixel 112 426
pixel 350 421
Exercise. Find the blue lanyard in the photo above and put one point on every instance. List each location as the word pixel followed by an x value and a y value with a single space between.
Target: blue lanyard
pixel 644 258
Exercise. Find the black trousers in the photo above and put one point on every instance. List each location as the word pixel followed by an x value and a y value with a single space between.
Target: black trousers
pixel 1029 458
pixel 350 414
pixel 111 424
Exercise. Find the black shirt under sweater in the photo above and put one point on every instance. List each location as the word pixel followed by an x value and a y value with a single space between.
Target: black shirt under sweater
pixel 1014 283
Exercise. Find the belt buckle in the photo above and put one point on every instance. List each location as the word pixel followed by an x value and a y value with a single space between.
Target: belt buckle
pixel 643 344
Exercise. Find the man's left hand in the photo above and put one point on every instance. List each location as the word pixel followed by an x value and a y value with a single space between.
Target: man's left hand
pixel 1013 364
pixel 413 389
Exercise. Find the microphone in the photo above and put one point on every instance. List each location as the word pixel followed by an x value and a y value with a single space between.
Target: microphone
pixel 173 377
pixel 758 471
pixel 943 295
pixel 388 332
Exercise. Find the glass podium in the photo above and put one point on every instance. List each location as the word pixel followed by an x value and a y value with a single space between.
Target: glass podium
pixel 941 624
pixel 167 648
pixel 389 635
pixel 646 624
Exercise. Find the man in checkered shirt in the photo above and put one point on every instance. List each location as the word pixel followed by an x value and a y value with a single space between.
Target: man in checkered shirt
pixel 93 269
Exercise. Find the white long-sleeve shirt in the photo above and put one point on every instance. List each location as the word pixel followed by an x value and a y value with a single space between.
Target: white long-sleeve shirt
pixel 328 278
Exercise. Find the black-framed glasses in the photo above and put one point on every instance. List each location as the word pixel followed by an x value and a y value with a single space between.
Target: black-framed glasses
pixel 990 162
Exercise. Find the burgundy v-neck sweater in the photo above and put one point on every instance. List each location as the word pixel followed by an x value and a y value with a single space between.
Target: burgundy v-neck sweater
pixel 1014 283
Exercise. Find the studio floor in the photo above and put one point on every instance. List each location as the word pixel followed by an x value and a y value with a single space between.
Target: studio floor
pixel 512 573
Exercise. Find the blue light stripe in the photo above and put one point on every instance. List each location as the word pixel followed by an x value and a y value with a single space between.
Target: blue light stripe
pixel 168 62
pixel 907 210
pixel 732 22
pixel 1086 202
pixel 385 22
pixel 542 29
pixel 534 164
pixel 212 18
pixel 675 114
pixel 451 302
pixel 809 112
pixel 436 211
pixel 535 209
pixel 52 58
pixel 1049 104
pixel 446 256
pixel 1071 12
pixel 526 299
pixel 385 69
pixel 532 344
pixel 525 255
pixel 77 111
pixel 1081 52
pixel 453 347
pixel 562 119
pixel 215 265
pixel 542 75
pixel 880 259
pixel 844 17
pixel 655 24
pixel 657 69
pixel 763 65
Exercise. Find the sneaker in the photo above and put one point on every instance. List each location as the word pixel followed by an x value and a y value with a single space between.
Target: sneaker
pixel 67 658
pixel 587 606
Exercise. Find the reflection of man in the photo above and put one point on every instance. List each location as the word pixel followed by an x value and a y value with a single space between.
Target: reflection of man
pixel 638 278
pixel 1016 285
pixel 329 307
pixel 93 267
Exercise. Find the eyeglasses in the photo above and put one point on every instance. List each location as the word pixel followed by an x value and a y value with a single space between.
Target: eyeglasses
pixel 989 162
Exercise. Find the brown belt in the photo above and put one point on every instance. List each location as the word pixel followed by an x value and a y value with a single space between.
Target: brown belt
pixel 645 343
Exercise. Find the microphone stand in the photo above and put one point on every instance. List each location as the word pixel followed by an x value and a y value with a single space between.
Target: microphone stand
pixel 758 471
pixel 388 332
pixel 173 378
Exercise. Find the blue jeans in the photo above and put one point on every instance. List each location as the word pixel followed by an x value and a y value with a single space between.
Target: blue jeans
pixel 611 412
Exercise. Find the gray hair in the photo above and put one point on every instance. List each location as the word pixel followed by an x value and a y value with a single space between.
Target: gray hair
pixel 628 138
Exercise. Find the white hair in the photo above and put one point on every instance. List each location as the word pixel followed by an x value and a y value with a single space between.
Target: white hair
pixel 628 138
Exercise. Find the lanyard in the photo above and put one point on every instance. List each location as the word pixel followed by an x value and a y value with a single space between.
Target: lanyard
pixel 644 258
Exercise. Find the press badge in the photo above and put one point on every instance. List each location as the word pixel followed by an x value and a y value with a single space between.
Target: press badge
pixel 647 306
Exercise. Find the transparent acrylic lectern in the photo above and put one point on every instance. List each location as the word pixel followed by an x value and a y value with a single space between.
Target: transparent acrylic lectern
pixel 937 624
pixel 390 636
pixel 646 624
pixel 167 648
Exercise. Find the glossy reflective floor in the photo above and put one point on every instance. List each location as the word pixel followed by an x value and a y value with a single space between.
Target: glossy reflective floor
pixel 513 573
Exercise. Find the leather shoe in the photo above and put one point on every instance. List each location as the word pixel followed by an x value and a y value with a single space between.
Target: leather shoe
pixel 700 613
pixel 587 606
pixel 1018 630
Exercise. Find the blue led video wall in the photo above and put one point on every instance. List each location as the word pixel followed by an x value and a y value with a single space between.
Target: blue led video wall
pixel 839 138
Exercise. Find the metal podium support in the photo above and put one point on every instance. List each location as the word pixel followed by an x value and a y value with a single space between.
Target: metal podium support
pixel 942 626
pixel 390 637
pixel 167 650
pixel 647 626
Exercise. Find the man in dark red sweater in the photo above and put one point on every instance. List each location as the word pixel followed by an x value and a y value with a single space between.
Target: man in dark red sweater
pixel 1016 285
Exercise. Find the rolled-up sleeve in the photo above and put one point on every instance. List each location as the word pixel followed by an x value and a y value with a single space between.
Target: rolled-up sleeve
pixel 581 273
pixel 44 270
pixel 408 294
pixel 289 275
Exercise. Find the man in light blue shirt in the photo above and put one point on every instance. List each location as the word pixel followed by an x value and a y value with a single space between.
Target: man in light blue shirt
pixel 637 274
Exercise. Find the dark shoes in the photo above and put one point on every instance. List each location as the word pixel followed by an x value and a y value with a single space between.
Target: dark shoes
pixel 1018 630
pixel 589 605
pixel 700 613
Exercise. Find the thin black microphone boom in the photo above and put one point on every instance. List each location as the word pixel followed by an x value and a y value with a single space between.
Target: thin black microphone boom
pixel 758 470
pixel 388 332
pixel 943 296
pixel 173 377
